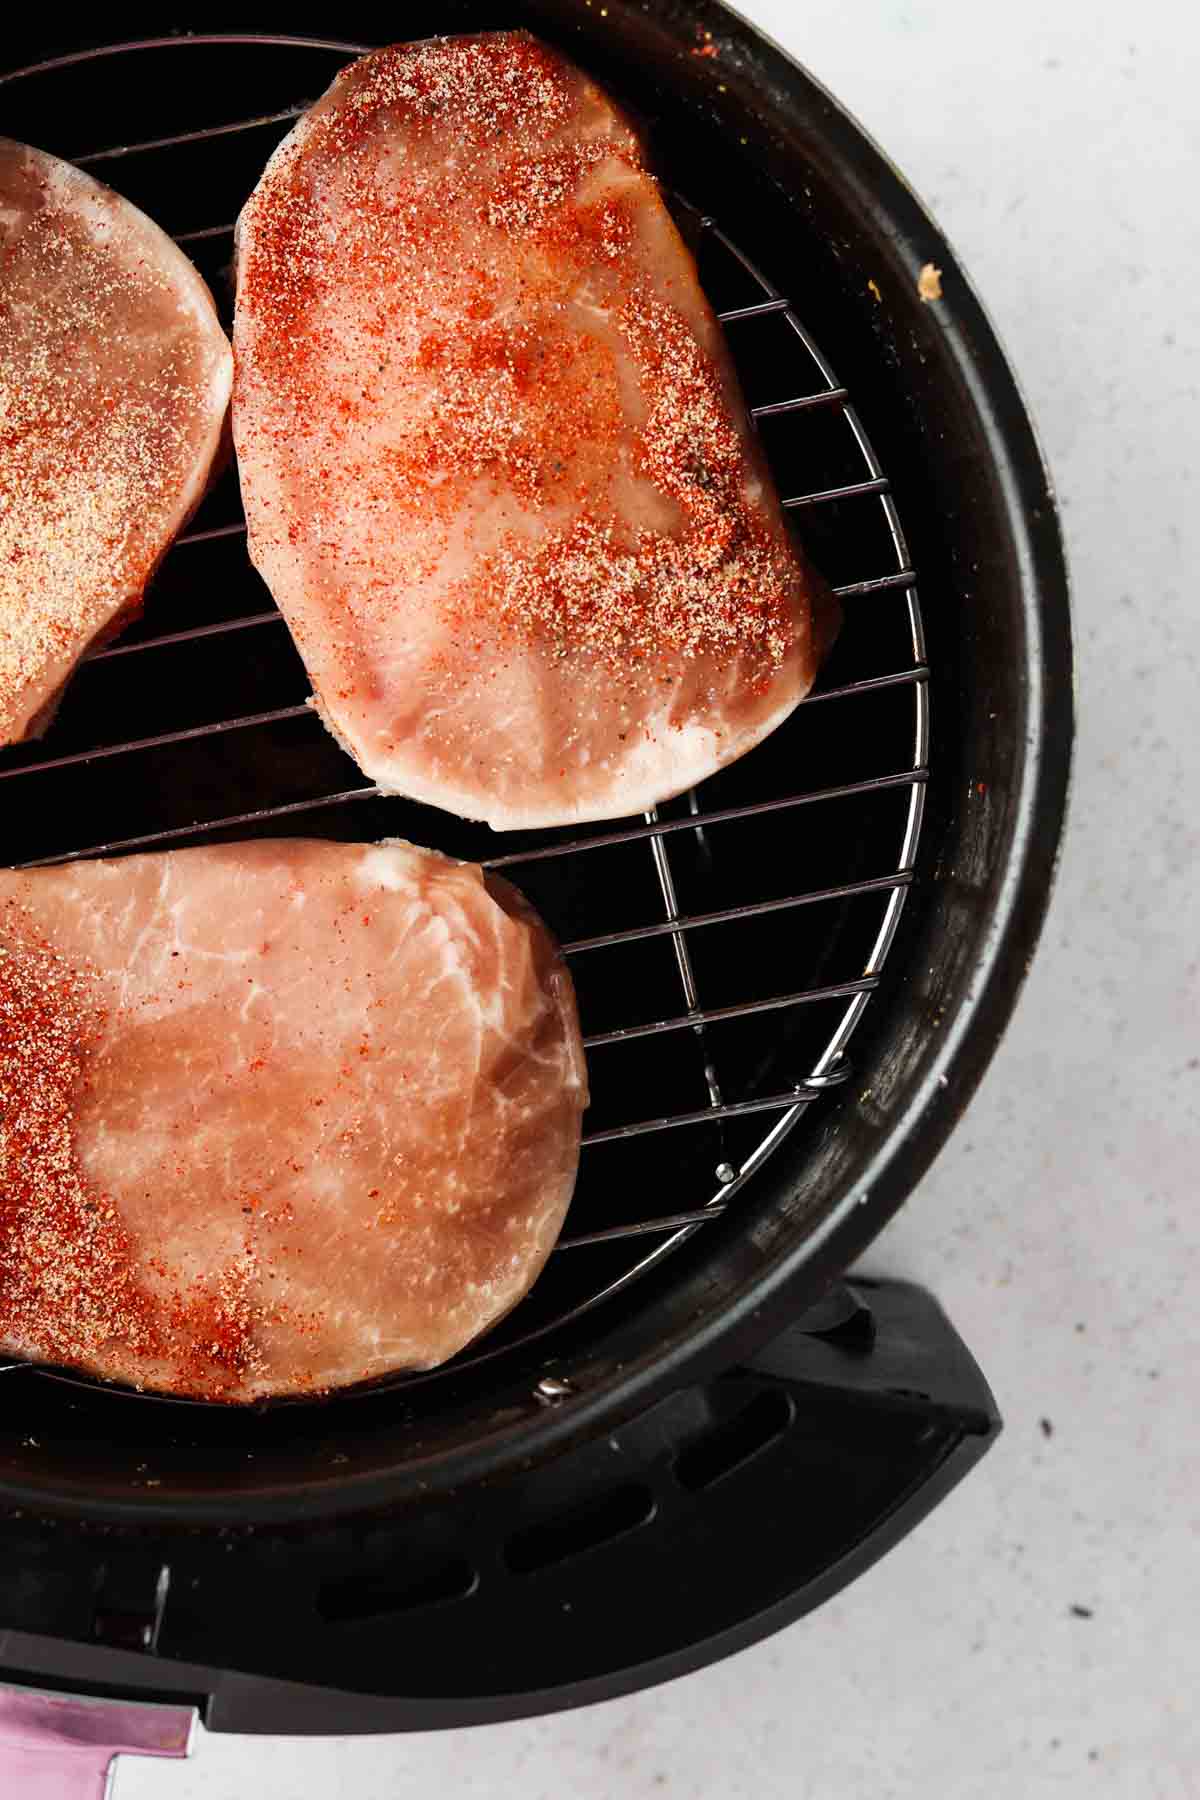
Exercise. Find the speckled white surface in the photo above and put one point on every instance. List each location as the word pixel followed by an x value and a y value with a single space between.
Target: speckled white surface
pixel 1059 147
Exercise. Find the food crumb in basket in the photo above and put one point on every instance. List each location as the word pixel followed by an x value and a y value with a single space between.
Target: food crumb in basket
pixel 929 282
pixel 874 287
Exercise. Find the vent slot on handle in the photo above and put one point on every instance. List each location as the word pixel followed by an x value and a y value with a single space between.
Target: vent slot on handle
pixel 585 1528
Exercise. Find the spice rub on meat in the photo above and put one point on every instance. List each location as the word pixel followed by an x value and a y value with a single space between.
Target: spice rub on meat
pixel 496 467
pixel 276 1117
pixel 114 384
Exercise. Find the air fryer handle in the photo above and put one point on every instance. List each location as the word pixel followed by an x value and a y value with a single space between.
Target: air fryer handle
pixel 724 1511
pixel 61 1746
pixel 797 1471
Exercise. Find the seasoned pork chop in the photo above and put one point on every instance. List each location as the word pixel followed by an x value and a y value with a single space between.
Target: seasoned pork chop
pixel 114 383
pixel 276 1117
pixel 496 466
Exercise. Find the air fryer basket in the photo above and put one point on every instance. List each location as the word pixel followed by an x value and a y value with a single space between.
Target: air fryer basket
pixel 877 872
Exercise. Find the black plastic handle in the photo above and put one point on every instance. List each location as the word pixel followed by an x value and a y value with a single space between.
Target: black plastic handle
pixel 718 1516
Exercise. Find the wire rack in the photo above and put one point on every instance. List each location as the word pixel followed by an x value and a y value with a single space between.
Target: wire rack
pixel 724 947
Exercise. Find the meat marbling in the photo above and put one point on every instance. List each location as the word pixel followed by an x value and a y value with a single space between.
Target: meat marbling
pixel 114 384
pixel 276 1117
pixel 497 470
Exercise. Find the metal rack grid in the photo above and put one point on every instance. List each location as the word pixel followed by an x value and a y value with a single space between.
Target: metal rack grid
pixel 785 1106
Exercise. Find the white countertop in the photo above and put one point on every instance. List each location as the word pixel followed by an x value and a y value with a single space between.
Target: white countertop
pixel 1058 145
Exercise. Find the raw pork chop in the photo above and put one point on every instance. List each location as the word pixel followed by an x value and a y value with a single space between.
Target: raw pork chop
pixel 114 383
pixel 276 1117
pixel 496 467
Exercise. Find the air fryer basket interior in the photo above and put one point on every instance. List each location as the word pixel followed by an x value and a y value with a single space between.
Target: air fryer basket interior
pixel 837 913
